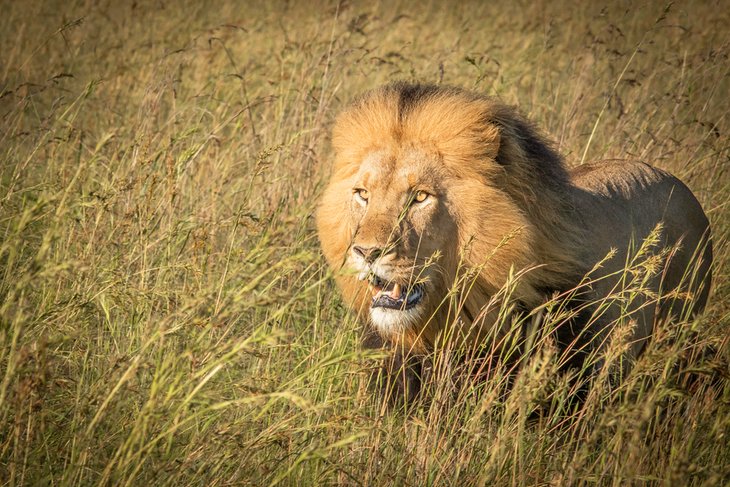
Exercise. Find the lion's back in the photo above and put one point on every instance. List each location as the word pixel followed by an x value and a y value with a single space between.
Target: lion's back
pixel 628 199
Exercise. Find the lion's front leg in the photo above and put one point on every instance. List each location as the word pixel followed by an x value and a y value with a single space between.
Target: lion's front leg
pixel 398 380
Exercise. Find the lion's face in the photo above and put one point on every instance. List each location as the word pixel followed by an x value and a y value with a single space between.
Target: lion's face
pixel 402 229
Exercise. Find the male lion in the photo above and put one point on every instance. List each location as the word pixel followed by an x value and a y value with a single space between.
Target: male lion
pixel 440 196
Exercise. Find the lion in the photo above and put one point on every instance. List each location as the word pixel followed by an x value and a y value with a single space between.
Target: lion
pixel 440 197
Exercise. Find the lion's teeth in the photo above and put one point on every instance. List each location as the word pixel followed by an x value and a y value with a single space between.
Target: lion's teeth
pixel 374 290
pixel 395 294
pixel 362 276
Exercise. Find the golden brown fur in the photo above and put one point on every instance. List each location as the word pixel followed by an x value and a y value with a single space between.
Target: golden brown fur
pixel 499 202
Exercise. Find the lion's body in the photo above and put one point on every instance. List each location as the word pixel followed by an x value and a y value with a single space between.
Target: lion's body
pixel 621 203
pixel 440 196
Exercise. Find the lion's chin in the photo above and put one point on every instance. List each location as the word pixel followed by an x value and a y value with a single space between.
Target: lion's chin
pixel 391 322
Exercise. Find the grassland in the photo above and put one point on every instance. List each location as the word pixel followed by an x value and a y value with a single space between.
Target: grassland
pixel 166 317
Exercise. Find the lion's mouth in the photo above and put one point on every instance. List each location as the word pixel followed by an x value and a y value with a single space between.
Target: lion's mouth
pixel 393 295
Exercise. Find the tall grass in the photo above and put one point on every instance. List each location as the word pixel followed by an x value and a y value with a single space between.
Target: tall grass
pixel 166 317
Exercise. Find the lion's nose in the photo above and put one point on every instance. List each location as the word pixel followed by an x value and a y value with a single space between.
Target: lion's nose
pixel 369 253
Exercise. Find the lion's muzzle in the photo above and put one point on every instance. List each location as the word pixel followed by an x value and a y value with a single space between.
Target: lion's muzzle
pixel 392 295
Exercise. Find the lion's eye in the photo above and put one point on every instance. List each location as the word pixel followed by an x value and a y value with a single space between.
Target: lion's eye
pixel 362 194
pixel 420 196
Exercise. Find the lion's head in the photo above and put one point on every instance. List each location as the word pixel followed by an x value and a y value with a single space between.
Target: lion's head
pixel 437 197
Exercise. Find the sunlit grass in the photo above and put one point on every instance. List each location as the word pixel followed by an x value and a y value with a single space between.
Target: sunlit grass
pixel 166 317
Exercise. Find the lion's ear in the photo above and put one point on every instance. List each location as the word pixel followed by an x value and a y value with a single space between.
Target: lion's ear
pixel 493 141
pixel 509 149
pixel 525 150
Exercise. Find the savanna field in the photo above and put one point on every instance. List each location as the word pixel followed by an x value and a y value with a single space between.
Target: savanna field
pixel 166 315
